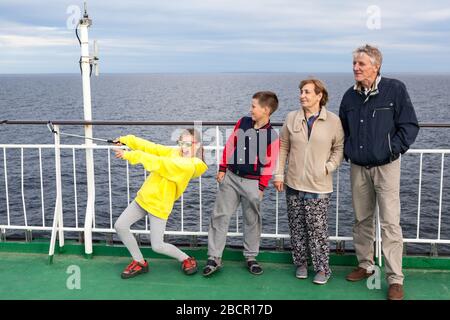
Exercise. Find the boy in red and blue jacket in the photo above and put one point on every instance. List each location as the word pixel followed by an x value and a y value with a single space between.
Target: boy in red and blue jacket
pixel 248 161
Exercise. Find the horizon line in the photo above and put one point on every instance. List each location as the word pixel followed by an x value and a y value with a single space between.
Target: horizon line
pixel 225 72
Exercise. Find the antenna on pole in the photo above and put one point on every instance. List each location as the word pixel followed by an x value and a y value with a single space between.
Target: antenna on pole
pixel 85 15
pixel 91 60
pixel 85 20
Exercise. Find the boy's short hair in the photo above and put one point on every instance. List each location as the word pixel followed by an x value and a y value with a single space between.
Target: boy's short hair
pixel 267 99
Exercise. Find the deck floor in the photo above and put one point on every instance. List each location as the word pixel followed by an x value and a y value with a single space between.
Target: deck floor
pixel 28 276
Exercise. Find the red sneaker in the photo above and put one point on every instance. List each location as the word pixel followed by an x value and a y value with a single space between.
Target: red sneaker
pixel 134 268
pixel 189 266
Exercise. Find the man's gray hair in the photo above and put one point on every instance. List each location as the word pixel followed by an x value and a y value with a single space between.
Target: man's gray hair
pixel 373 52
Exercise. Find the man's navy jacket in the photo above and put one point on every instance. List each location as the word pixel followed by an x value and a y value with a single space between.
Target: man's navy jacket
pixel 379 126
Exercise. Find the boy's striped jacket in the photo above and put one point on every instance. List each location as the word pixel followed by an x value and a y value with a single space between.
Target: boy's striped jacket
pixel 251 153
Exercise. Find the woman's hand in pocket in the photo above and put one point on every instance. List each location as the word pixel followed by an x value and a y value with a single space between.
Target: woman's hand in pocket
pixel 278 185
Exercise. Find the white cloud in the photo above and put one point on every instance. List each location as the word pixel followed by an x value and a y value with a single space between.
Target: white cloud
pixel 16 35
pixel 15 41
pixel 434 15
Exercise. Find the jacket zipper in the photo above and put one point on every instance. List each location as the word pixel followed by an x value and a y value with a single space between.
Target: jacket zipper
pixel 304 162
pixel 379 109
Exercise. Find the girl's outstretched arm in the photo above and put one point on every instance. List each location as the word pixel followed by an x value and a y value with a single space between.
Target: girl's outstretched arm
pixel 136 143
pixel 173 168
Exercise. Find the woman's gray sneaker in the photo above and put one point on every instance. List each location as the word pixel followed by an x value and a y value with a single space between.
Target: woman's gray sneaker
pixel 320 278
pixel 301 272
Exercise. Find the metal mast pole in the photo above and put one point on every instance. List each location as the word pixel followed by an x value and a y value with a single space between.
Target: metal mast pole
pixel 85 62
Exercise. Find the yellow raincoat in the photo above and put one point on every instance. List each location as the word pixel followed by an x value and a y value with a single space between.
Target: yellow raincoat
pixel 170 173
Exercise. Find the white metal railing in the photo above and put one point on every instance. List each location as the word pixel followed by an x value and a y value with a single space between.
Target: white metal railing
pixel 59 228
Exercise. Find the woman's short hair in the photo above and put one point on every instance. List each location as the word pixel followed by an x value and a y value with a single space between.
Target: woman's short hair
pixel 319 87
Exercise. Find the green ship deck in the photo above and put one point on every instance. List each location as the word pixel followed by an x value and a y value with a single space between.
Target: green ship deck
pixel 26 274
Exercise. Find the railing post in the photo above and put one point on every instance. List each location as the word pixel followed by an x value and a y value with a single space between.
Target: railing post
pixel 340 247
pixel 379 254
pixel 80 237
pixel 182 212
pixel 337 203
pixel 23 189
pixel 434 250
pixel 109 239
pixel 199 127
pixel 3 235
pixel 57 217
pixel 6 187
pixel 194 241
pixel 440 197
pixel 280 244
pixel 419 195
pixel 138 239
pixel 28 236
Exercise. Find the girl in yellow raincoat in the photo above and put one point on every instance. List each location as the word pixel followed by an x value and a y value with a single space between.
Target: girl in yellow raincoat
pixel 171 170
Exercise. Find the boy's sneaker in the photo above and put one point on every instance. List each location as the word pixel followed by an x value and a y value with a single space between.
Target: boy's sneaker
pixel 189 266
pixel 301 272
pixel 254 267
pixel 321 278
pixel 211 267
pixel 134 268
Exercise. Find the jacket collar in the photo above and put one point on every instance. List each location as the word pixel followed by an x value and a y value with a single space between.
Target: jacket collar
pixel 300 118
pixel 267 125
pixel 368 93
pixel 358 86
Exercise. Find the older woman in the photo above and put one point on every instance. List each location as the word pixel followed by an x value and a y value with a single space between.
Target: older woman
pixel 311 140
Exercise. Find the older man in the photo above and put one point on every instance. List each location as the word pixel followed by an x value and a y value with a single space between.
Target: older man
pixel 379 124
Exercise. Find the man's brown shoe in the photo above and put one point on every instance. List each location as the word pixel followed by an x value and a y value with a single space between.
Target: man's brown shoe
pixel 358 274
pixel 395 292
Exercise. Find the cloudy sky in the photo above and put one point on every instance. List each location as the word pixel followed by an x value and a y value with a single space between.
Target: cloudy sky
pixel 226 35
